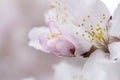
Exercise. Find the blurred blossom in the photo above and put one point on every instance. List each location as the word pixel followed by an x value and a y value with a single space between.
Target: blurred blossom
pixel 97 67
pixel 8 14
pixel 17 60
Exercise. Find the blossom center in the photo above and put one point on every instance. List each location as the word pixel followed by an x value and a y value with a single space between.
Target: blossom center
pixel 96 33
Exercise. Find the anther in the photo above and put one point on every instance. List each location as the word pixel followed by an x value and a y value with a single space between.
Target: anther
pixel 83 20
pixel 52 6
pixel 83 35
pixel 101 21
pixel 77 33
pixel 48 38
pixel 88 16
pixel 103 15
pixel 82 24
pixel 97 24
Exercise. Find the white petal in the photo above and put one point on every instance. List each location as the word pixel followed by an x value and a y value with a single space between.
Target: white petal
pixel 74 6
pixel 100 67
pixel 115 28
pixel 35 32
pixel 92 67
pixel 112 5
pixel 112 69
pixel 34 35
pixel 35 44
pixel 114 49
pixel 78 7
pixel 97 16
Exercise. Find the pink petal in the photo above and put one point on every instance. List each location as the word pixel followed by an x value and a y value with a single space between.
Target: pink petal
pixel 38 35
pixel 66 48
pixel 61 47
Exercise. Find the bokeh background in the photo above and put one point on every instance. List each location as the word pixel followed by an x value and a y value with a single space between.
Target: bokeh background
pixel 18 61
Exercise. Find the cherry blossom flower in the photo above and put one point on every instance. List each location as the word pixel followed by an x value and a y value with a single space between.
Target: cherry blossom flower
pixel 101 29
pixel 82 29
pixel 56 39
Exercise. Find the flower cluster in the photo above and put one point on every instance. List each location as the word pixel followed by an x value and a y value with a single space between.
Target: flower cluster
pixel 80 28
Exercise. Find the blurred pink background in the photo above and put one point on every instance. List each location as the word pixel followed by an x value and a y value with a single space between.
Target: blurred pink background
pixel 18 61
